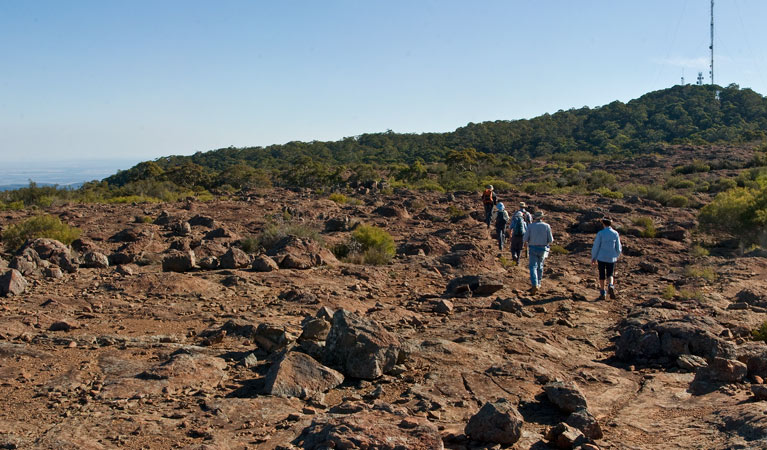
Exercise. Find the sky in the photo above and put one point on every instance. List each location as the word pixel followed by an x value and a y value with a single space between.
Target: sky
pixel 137 80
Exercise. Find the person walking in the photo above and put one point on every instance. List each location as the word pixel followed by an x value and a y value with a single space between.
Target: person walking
pixel 525 213
pixel 518 228
pixel 538 238
pixel 604 253
pixel 501 218
pixel 489 199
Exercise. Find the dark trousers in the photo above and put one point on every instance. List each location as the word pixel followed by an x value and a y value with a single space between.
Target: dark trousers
pixel 516 247
pixel 488 213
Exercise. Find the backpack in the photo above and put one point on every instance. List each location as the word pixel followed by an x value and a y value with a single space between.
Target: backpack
pixel 518 225
pixel 501 219
pixel 487 197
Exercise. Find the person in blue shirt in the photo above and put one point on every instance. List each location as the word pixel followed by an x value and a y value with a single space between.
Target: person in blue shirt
pixel 538 238
pixel 604 253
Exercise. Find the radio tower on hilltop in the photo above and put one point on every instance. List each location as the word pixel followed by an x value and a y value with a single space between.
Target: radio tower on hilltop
pixel 711 47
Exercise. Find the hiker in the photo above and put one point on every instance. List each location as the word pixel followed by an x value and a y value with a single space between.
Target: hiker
pixel 538 238
pixel 501 218
pixel 518 227
pixel 604 253
pixel 525 214
pixel 489 200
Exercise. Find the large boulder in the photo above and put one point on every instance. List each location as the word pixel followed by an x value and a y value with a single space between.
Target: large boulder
pixel 565 437
pixel 54 252
pixel 234 259
pixel 12 283
pixel 270 338
pixel 177 261
pixel 719 370
pixel 360 348
pixel 27 262
pixel 95 259
pixel 292 252
pixel 497 423
pixel 371 430
pixel 651 334
pixel 567 396
pixel 264 263
pixel 132 234
pixel 584 421
pixel 297 374
pixel 477 285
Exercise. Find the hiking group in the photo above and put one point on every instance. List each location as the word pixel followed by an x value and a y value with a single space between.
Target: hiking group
pixel 530 229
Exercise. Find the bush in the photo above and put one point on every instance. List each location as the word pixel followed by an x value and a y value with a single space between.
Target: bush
pixel 338 198
pixel 695 167
pixel 273 233
pixel 698 251
pixel 249 244
pixel 760 333
pixel 678 201
pixel 558 250
pixel 669 292
pixel 705 273
pixel 376 245
pixel 44 226
pixel 456 213
pixel 648 226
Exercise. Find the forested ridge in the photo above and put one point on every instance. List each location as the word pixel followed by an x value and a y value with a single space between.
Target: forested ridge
pixel 681 114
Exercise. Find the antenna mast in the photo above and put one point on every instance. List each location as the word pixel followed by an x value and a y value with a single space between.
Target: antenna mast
pixel 712 42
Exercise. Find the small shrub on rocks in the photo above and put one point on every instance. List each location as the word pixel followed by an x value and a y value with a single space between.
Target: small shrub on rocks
pixel 649 230
pixel 669 292
pixel 338 198
pixel 44 226
pixel 760 333
pixel 376 244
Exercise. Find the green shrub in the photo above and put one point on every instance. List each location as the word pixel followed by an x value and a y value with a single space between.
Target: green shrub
pixel 760 333
pixel 143 219
pixel 273 233
pixel 558 250
pixel 648 226
pixel 456 213
pixel 705 273
pixel 376 244
pixel 679 183
pixel 600 178
pixel 338 198
pixel 249 244
pixel 669 292
pixel 678 201
pixel 44 226
pixel 606 192
pixel 698 251
pixel 133 199
pixel 695 167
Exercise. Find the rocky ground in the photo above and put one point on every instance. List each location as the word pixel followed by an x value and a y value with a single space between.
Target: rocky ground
pixel 155 331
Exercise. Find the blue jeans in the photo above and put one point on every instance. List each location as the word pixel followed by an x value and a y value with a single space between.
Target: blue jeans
pixel 501 237
pixel 536 264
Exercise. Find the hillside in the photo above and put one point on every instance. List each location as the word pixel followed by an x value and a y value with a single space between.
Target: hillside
pixel 229 324
pixel 678 115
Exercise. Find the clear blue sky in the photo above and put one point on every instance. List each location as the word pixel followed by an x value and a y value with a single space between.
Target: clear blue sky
pixel 143 79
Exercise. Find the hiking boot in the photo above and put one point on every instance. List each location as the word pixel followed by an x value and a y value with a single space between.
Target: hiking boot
pixel 533 290
pixel 611 291
pixel 601 296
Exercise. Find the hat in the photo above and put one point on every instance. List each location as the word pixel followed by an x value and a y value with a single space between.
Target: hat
pixel 490 186
pixel 522 205
pixel 538 215
pixel 500 206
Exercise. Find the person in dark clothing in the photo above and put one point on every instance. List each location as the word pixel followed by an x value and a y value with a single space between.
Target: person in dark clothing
pixel 501 218
pixel 489 200
pixel 518 228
